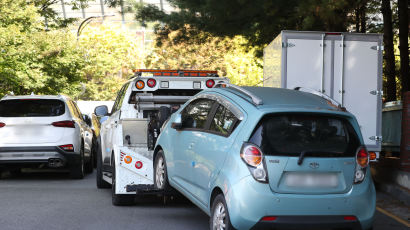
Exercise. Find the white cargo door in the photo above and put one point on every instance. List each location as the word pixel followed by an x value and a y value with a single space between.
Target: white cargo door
pixel 357 65
pixel 304 62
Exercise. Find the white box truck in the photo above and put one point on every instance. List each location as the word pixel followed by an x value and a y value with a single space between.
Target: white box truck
pixel 347 67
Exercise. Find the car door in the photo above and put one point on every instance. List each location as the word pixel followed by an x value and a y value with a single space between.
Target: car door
pixel 194 117
pixel 211 150
pixel 108 127
pixel 85 129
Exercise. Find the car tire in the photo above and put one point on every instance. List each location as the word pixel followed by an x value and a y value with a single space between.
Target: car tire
pixel 89 167
pixel 101 183
pixel 219 214
pixel 160 172
pixel 119 199
pixel 77 171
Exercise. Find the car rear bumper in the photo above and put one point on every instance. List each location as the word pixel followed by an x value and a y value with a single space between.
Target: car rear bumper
pixel 249 201
pixel 308 222
pixel 37 154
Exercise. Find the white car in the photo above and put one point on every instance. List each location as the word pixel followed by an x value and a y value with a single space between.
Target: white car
pixel 44 131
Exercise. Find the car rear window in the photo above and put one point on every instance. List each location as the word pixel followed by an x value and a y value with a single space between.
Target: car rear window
pixel 31 108
pixel 317 135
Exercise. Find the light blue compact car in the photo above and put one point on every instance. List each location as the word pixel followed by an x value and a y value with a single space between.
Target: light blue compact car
pixel 267 158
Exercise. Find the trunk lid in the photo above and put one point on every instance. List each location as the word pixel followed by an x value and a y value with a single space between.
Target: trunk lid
pixel 30 121
pixel 307 154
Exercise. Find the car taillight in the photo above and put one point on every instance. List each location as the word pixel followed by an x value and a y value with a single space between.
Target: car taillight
pixel 362 161
pixel 269 218
pixel 140 84
pixel 372 156
pixel 362 157
pixel 64 124
pixel 67 148
pixel 210 83
pixel 2 124
pixel 253 157
pixel 151 83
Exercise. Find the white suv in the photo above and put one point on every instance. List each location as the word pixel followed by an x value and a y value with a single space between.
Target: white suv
pixel 44 131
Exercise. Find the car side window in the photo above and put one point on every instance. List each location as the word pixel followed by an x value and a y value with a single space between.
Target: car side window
pixel 195 115
pixel 224 121
pixel 72 109
pixel 120 98
pixel 80 116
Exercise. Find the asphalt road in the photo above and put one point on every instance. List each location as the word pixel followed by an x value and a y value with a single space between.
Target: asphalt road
pixel 53 201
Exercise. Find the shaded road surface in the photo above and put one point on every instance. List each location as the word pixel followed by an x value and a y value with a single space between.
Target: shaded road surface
pixel 52 201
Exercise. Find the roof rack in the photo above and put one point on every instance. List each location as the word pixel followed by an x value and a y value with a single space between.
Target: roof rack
pixel 320 94
pixel 177 73
pixel 255 99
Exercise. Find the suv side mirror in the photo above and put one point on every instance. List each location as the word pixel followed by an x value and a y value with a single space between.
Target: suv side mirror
pixel 177 124
pixel 101 110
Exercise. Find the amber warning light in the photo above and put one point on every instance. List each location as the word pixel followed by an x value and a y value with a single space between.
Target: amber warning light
pixel 178 73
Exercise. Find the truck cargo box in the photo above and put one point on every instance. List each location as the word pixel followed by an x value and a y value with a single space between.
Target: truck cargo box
pixel 345 66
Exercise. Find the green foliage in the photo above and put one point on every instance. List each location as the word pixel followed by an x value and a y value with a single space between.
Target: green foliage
pixel 33 60
pixel 259 21
pixel 111 53
pixel 227 56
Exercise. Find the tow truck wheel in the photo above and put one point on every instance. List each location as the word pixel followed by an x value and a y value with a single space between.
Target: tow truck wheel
pixel 119 199
pixel 160 169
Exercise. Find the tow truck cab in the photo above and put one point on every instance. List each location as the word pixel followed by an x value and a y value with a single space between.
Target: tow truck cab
pixel 129 133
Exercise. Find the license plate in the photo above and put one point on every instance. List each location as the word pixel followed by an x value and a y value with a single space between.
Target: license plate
pixel 311 180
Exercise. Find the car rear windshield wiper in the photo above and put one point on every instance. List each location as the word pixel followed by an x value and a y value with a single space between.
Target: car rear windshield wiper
pixel 303 154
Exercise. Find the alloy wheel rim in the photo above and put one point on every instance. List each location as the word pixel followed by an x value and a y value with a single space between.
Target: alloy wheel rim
pixel 218 222
pixel 160 173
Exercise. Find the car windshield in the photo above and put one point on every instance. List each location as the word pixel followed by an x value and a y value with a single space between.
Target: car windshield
pixel 31 108
pixel 317 135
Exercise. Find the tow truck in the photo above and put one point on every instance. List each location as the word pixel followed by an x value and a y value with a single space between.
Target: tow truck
pixel 130 130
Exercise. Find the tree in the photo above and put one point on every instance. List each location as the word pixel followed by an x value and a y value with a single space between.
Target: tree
pixel 390 69
pixel 227 56
pixel 111 54
pixel 259 21
pixel 33 60
pixel 403 6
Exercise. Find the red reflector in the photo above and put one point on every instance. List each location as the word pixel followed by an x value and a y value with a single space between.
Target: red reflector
pixel 151 83
pixel 157 74
pixel 175 74
pixel 2 124
pixel 194 75
pixel 64 124
pixel 68 148
pixel 350 218
pixel 138 164
pixel 269 218
pixel 203 74
pixel 210 83
pixel 186 74
pixel 166 74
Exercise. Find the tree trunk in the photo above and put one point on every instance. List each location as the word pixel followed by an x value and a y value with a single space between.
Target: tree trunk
pixel 389 51
pixel 404 44
pixel 363 17
pixel 357 20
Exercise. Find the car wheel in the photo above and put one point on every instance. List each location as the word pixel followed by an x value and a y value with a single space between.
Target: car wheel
pixel 219 219
pixel 119 199
pixel 89 165
pixel 160 172
pixel 77 171
pixel 101 183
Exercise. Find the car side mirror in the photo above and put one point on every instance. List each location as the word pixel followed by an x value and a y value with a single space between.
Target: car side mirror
pixel 101 110
pixel 177 123
pixel 87 119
